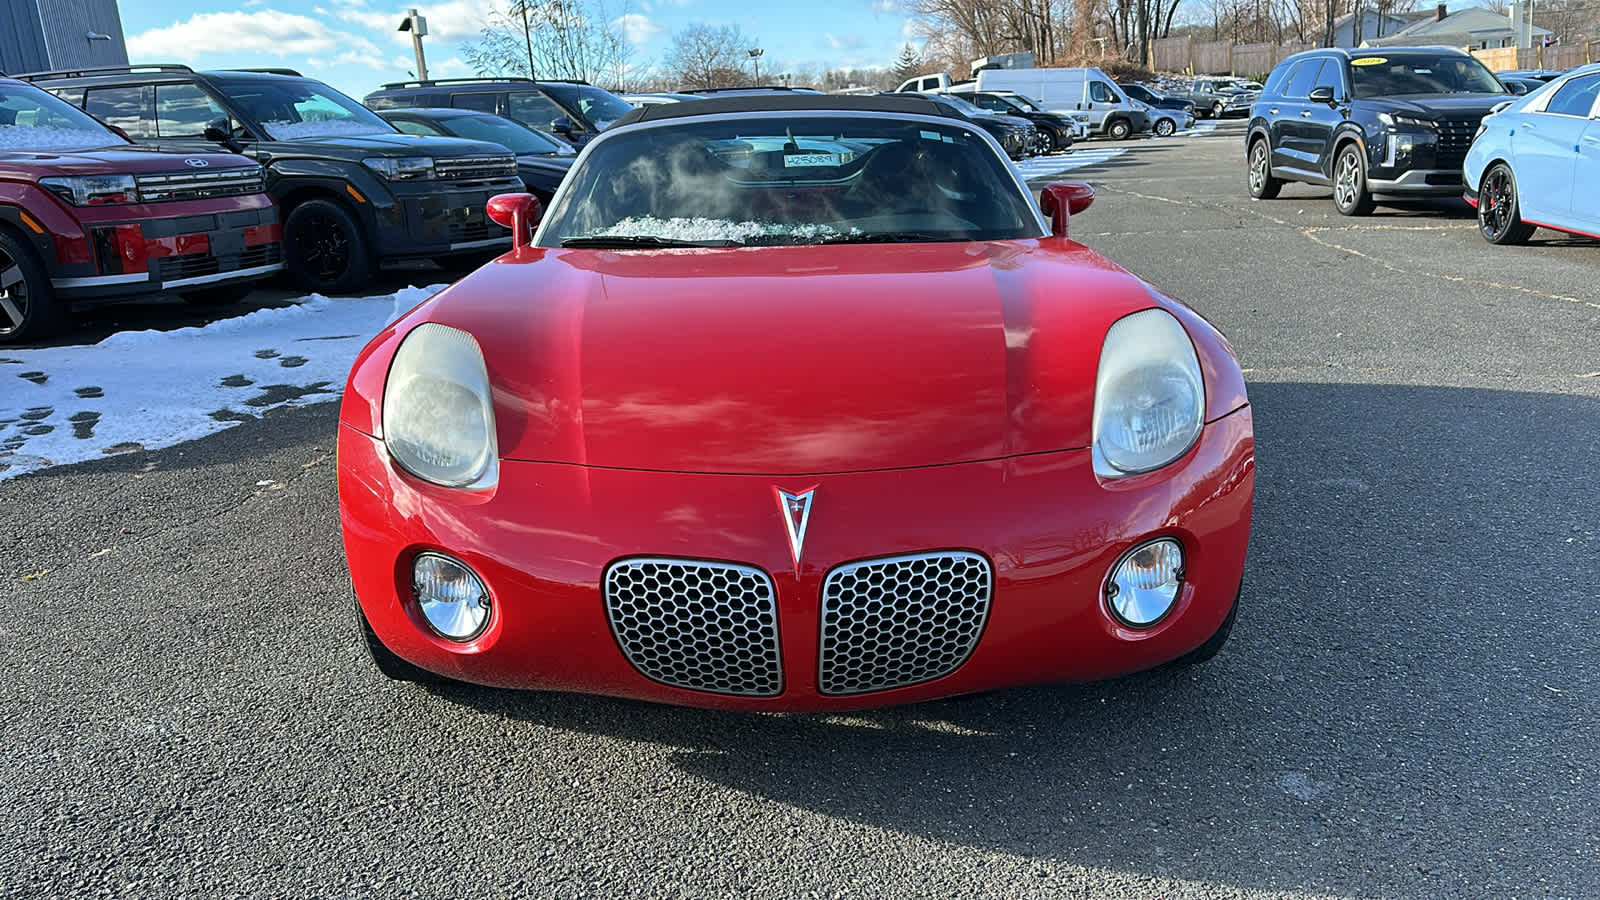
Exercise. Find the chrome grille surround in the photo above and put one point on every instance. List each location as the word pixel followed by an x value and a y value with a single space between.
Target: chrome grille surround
pixel 704 626
pixel 201 185
pixel 474 168
pixel 901 620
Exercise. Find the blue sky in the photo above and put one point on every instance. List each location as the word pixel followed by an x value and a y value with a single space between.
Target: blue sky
pixel 354 45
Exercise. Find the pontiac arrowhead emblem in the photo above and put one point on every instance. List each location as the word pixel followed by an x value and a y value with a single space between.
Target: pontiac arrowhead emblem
pixel 796 515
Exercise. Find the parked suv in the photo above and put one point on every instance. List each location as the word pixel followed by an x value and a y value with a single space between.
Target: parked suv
pixel 87 218
pixel 355 192
pixel 575 110
pixel 1389 120
pixel 1058 128
pixel 1221 97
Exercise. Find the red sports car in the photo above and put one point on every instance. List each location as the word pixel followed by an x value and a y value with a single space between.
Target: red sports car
pixel 795 403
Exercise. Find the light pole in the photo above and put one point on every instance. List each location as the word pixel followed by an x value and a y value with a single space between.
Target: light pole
pixel 418 26
pixel 755 60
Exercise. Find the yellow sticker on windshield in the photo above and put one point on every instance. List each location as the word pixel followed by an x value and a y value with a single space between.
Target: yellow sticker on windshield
pixel 1368 61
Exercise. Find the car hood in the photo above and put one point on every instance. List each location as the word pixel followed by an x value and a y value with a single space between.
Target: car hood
pixel 797 360
pixel 556 165
pixel 392 145
pixel 1439 105
pixel 123 160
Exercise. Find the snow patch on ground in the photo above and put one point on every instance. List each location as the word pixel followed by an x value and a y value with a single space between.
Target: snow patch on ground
pixel 151 389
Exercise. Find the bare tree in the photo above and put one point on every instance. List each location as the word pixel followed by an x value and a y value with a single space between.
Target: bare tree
pixel 552 39
pixel 705 57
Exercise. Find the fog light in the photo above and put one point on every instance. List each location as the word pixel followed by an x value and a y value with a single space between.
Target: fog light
pixel 1144 583
pixel 452 598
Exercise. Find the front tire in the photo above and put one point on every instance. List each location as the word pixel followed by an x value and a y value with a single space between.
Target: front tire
pixel 1216 109
pixel 1350 194
pixel 325 248
pixel 1262 185
pixel 1119 129
pixel 29 310
pixel 1166 127
pixel 1499 213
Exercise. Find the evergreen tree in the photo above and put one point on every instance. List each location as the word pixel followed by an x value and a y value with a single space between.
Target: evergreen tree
pixel 908 64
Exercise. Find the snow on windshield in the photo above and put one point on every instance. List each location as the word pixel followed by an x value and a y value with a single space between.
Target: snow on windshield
pixel 288 131
pixel 699 229
pixel 46 137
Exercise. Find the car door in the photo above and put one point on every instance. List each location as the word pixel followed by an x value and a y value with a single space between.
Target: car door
pixel 1320 119
pixel 1285 115
pixel 1586 176
pixel 1546 148
pixel 1103 101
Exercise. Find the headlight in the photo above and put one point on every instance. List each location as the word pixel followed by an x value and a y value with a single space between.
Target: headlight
pixel 1149 397
pixel 93 190
pixel 438 420
pixel 404 168
pixel 1394 119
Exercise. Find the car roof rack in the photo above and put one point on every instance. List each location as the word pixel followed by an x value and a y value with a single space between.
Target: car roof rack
pixel 433 81
pixel 103 70
pixel 749 87
pixel 564 80
pixel 270 70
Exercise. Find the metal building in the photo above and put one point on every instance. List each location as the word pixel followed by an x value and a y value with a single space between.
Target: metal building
pixel 60 34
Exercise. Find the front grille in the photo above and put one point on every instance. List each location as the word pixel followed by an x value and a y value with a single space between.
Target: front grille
pixel 474 168
pixel 461 232
pixel 1455 136
pixel 698 625
pixel 200 184
pixel 901 620
pixel 195 265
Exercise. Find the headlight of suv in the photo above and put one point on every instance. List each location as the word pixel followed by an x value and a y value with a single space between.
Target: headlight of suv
pixel 402 168
pixel 93 190
pixel 438 419
pixel 1399 119
pixel 1149 396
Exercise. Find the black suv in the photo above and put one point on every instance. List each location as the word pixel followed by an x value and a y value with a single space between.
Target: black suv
pixel 354 191
pixel 575 110
pixel 1054 126
pixel 1384 120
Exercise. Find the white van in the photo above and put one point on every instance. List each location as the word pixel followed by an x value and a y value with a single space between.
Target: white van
pixel 1069 90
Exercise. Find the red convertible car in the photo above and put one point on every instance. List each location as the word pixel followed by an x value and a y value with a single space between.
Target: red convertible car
pixel 795 403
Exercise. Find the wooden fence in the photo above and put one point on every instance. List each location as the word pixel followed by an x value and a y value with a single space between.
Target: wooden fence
pixel 1193 57
pixel 1559 57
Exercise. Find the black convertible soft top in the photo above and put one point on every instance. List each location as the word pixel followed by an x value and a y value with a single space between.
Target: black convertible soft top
pixel 900 104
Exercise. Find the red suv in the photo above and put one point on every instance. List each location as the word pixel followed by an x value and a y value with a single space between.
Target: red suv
pixel 88 218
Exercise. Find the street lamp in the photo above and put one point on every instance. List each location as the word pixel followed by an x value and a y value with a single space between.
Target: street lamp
pixel 755 60
pixel 418 26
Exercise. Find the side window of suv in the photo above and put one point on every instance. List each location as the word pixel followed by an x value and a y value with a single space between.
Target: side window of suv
pixel 1302 79
pixel 1099 93
pixel 184 111
pixel 482 101
pixel 130 108
pixel 534 108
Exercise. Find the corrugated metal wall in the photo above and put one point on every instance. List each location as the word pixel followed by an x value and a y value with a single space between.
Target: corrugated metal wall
pixel 21 40
pixel 67 25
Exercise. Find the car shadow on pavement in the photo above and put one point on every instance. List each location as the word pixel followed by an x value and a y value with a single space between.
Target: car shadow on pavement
pixel 1406 706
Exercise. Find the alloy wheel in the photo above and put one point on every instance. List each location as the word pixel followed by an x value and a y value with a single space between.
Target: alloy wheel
pixel 1346 183
pixel 13 295
pixel 323 247
pixel 1494 205
pixel 1258 167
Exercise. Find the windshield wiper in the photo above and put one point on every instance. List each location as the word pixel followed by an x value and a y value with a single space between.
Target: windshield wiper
pixel 625 241
pixel 890 237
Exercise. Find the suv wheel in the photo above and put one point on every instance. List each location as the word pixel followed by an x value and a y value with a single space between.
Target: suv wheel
pixel 1499 214
pixel 28 307
pixel 1119 129
pixel 1216 109
pixel 324 247
pixel 1262 185
pixel 1166 127
pixel 1350 195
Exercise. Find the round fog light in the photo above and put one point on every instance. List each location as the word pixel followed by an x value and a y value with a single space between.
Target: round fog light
pixel 1144 583
pixel 452 598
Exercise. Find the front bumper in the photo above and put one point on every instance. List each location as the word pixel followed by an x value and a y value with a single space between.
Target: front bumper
pixel 432 218
pixel 543 538
pixel 1419 181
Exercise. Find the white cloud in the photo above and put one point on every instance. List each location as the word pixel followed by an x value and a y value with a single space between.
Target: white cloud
pixel 449 22
pixel 637 28
pixel 843 43
pixel 265 31
pixel 885 6
pixel 912 30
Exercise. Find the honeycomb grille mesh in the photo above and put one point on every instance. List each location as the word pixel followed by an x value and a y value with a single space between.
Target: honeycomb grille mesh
pixel 697 625
pixel 901 620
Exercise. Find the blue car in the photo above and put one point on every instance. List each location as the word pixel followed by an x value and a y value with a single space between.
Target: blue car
pixel 1536 162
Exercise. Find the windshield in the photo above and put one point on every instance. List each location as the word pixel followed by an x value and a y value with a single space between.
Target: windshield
pixel 32 119
pixel 1377 76
pixel 794 179
pixel 1023 102
pixel 290 109
pixel 600 107
pixel 519 139
pixel 960 104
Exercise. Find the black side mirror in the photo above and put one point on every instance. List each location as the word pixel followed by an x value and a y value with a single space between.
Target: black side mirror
pixel 562 126
pixel 217 132
pixel 1322 94
pixel 1517 88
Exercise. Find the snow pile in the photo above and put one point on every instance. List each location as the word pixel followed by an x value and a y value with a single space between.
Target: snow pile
pixel 47 138
pixel 292 131
pixel 698 229
pixel 152 389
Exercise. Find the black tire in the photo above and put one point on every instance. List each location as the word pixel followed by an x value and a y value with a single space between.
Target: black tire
pixel 393 667
pixel 1119 129
pixel 1166 127
pixel 1258 171
pixel 1350 194
pixel 222 295
pixel 325 249
pixel 29 310
pixel 1213 645
pixel 1216 109
pixel 1499 213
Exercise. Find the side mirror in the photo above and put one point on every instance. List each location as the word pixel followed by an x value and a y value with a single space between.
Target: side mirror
pixel 1062 200
pixel 1517 87
pixel 518 212
pixel 562 126
pixel 117 130
pixel 218 132
pixel 1322 94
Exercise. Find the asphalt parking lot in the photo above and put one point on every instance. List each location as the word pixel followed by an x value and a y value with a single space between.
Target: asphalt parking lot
pixel 1408 707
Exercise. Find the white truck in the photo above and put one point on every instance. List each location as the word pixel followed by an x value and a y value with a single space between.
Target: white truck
pixel 1073 91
